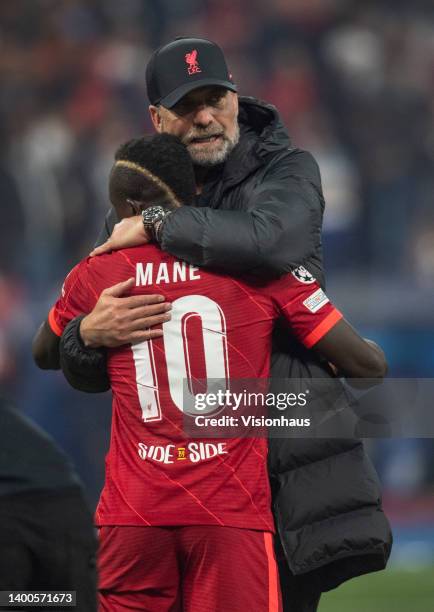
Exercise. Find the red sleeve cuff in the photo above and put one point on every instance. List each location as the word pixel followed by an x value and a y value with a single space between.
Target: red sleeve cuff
pixel 325 326
pixel 55 328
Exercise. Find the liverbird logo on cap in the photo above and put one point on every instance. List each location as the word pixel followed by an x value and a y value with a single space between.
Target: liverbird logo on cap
pixel 192 63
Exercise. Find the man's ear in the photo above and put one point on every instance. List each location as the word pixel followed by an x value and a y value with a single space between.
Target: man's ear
pixel 136 206
pixel 156 118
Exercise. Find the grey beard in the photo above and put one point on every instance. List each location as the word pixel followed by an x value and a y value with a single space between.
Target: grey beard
pixel 207 159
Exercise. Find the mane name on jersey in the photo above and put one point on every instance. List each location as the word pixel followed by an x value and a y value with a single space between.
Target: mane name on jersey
pixel 172 272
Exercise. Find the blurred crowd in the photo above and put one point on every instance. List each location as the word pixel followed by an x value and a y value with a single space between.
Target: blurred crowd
pixel 353 81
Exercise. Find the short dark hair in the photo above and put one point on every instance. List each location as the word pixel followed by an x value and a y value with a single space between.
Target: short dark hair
pixel 162 160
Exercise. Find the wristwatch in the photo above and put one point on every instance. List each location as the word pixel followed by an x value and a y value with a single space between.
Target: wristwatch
pixel 153 218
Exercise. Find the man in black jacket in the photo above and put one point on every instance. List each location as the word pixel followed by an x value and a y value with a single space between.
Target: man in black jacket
pixel 47 541
pixel 259 210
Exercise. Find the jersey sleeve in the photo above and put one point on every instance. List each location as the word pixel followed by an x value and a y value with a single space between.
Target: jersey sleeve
pixel 308 310
pixel 74 299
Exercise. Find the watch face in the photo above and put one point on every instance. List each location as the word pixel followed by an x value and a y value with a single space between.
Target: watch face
pixel 153 214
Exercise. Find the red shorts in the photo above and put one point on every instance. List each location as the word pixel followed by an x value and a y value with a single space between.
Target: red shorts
pixel 192 568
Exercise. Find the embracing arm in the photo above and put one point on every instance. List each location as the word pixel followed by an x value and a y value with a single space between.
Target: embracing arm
pixel 114 321
pixel 84 370
pixel 353 356
pixel 280 229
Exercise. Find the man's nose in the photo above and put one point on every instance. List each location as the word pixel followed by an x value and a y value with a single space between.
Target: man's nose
pixel 203 115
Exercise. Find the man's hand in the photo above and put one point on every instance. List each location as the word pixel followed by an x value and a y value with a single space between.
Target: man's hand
pixel 117 320
pixel 129 232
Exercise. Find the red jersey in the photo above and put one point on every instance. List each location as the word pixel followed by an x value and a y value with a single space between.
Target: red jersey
pixel 220 329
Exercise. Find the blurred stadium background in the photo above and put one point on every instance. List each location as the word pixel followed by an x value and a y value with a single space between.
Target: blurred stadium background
pixel 354 82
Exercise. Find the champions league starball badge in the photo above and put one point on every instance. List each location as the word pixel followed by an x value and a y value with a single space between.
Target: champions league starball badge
pixel 303 275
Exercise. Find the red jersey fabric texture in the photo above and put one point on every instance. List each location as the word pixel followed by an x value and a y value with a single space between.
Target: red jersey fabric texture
pixel 220 329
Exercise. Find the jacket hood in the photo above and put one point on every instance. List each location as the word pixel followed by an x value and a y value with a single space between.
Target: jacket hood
pixel 262 134
pixel 263 119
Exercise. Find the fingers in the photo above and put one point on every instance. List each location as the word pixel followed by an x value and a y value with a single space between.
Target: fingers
pixel 139 301
pixel 147 334
pixel 147 322
pixel 103 248
pixel 108 245
pixel 135 301
pixel 128 233
pixel 120 288
pixel 147 311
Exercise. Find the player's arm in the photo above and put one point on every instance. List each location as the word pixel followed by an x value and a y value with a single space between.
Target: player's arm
pixel 62 324
pixel 353 356
pixel 92 365
pixel 45 348
pixel 280 229
pixel 74 300
pixel 319 325
pixel 87 367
